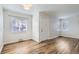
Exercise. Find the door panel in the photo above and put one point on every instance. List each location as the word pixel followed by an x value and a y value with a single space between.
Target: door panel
pixel 44 27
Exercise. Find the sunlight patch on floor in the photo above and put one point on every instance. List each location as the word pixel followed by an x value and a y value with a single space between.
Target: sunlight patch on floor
pixel 62 46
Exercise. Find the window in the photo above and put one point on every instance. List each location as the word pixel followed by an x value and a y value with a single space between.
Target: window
pixel 19 24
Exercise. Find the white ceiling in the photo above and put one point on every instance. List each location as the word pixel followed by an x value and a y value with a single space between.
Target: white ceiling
pixel 60 9
pixel 16 8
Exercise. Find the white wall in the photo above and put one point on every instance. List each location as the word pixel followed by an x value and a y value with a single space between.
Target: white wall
pixel 35 26
pixel 54 26
pixel 9 36
pixel 1 28
pixel 71 27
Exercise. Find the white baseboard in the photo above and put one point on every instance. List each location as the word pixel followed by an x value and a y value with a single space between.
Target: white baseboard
pixel 14 41
pixel 1 48
pixel 49 38
pixel 70 37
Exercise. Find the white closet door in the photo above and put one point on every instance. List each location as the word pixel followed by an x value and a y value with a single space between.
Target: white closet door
pixel 44 27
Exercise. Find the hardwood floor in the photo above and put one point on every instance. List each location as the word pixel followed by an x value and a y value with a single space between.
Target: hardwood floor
pixel 60 45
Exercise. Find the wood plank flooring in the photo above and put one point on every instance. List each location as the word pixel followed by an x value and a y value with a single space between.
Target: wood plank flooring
pixel 60 45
